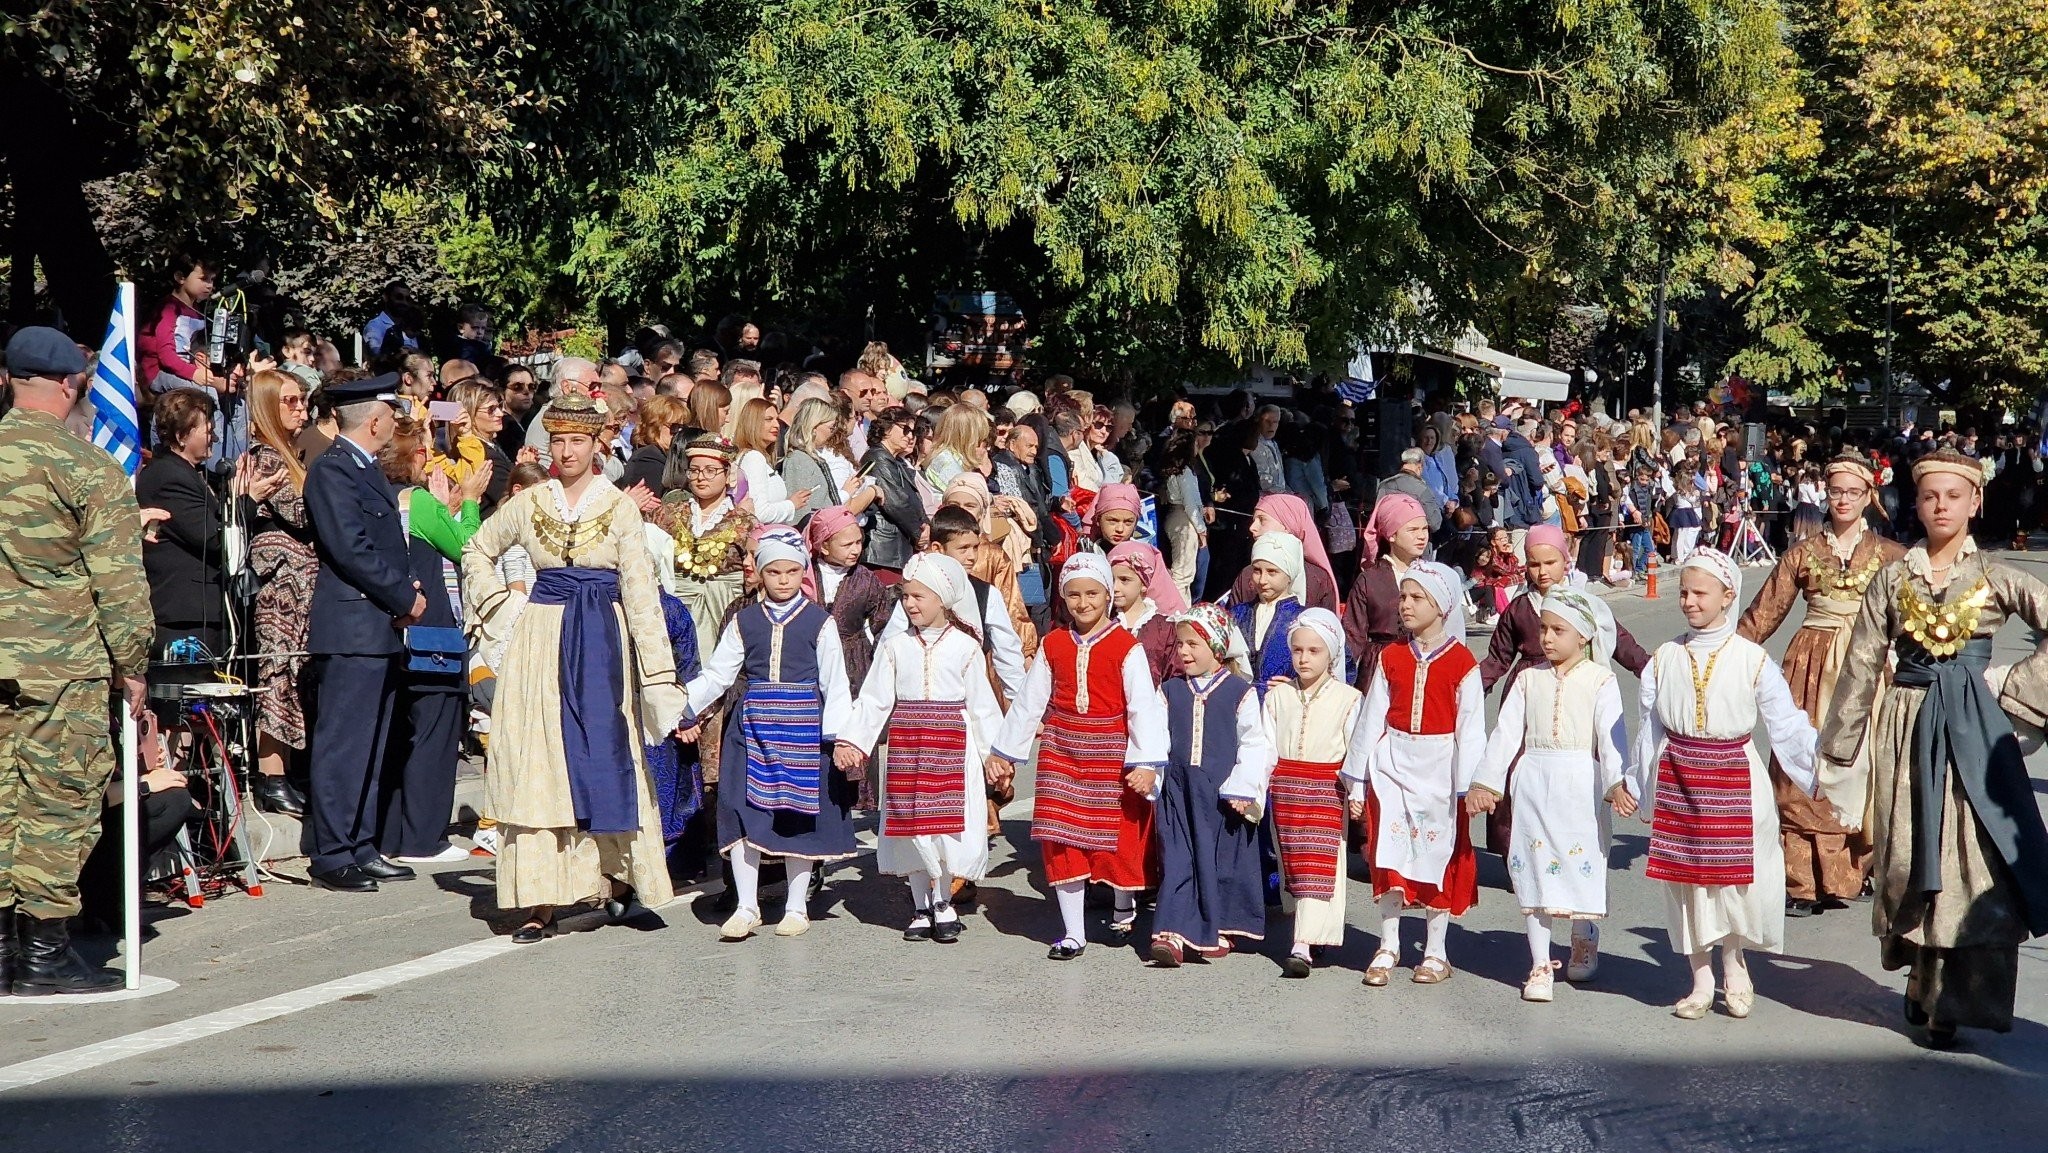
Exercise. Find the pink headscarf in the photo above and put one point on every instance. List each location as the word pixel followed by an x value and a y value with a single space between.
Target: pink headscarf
pixel 1143 559
pixel 824 524
pixel 1547 534
pixel 1293 514
pixel 1113 497
pixel 1394 512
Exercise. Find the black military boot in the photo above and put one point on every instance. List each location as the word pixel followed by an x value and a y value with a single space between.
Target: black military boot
pixel 49 964
pixel 10 951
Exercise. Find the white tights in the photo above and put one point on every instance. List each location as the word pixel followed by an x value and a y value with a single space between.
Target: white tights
pixel 927 891
pixel 746 880
pixel 1436 923
pixel 1073 898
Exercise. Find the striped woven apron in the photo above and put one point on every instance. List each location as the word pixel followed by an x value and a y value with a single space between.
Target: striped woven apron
pixel 924 791
pixel 1308 821
pixel 781 727
pixel 1702 832
pixel 1080 780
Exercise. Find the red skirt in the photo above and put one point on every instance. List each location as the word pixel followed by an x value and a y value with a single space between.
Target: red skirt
pixel 1703 832
pixel 1089 826
pixel 1460 888
pixel 1308 820
pixel 925 792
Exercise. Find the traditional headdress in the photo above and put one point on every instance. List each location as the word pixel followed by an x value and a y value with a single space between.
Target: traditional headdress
pixel 1855 466
pixel 1293 514
pixel 1588 615
pixel 1394 512
pixel 1948 460
pixel 1718 565
pixel 1547 534
pixel 1213 624
pixel 1325 624
pixel 827 523
pixel 1446 588
pixel 571 413
pixel 1116 498
pixel 713 446
pixel 1284 553
pixel 1086 566
pixel 944 576
pixel 779 542
pixel 1143 559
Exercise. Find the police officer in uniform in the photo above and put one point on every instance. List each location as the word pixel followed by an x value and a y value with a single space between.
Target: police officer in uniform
pixel 363 600
pixel 74 615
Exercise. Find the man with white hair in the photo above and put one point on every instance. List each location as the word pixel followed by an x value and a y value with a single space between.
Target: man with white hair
pixel 1409 481
pixel 866 395
pixel 573 377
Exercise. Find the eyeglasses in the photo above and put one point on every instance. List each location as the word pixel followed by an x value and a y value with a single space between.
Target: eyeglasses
pixel 704 473
pixel 1847 493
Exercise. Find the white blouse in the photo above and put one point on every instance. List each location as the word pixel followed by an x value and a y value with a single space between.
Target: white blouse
pixel 1741 683
pixel 726 661
pixel 766 489
pixel 1579 712
pixel 1254 769
pixel 1146 748
pixel 938 664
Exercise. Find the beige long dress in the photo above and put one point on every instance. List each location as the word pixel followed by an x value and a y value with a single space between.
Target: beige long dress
pixel 1961 944
pixel 543 858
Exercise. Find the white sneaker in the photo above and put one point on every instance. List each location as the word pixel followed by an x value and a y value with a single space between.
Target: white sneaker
pixel 486 842
pixel 1542 980
pixel 740 925
pixel 792 925
pixel 1585 960
pixel 448 855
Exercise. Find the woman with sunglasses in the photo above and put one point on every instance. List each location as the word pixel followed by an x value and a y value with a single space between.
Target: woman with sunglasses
pixel 281 554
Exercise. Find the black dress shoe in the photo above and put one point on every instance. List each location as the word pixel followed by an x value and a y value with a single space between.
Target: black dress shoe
pixel 1064 950
pixel 347 879
pixel 379 869
pixel 918 932
pixel 946 932
pixel 1296 966
pixel 620 906
pixel 276 795
pixel 1794 907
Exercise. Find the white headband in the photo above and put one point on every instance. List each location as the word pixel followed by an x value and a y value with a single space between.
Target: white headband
pixel 1718 565
pixel 1324 624
pixel 1090 566
pixel 1589 615
pixel 1283 552
pixel 944 576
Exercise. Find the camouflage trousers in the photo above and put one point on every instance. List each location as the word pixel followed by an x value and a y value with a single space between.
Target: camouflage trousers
pixel 57 752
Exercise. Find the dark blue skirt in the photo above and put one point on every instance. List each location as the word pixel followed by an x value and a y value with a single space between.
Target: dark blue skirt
pixel 1210 882
pixel 827 836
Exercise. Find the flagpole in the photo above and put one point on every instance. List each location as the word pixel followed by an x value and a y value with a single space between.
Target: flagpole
pixel 131 785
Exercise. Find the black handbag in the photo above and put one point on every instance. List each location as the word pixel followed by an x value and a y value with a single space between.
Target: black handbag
pixel 435 650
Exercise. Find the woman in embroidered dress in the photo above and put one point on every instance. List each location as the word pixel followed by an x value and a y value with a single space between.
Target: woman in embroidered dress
pixel 1308 720
pixel 928 693
pixel 1211 885
pixel 1103 746
pixel 1144 598
pixel 785 799
pixel 1420 737
pixel 1928 763
pixel 1824 861
pixel 587 675
pixel 1394 537
pixel 1705 792
pixel 1561 726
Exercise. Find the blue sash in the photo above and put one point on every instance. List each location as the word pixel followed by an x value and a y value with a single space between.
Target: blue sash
pixel 596 746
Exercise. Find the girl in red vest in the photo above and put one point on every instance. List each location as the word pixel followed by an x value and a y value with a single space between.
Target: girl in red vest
pixel 1098 766
pixel 1418 746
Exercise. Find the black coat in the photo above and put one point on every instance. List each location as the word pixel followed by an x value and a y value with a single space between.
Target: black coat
pixel 899 517
pixel 365 580
pixel 185 563
pixel 645 466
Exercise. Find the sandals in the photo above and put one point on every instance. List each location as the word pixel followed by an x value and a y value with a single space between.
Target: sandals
pixel 1376 974
pixel 1432 971
pixel 1120 928
pixel 1740 1001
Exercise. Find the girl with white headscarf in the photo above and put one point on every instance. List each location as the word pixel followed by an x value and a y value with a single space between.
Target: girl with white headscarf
pixel 1099 760
pixel 781 796
pixel 1420 737
pixel 1706 793
pixel 927 695
pixel 1308 720
pixel 1560 726
pixel 1282 589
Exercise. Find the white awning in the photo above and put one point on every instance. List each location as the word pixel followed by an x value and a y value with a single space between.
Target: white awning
pixel 1517 377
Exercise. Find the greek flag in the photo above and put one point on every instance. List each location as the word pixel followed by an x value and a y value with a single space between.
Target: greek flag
pixel 114 423
pixel 1358 385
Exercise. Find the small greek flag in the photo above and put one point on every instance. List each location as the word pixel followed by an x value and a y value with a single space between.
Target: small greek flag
pixel 1358 385
pixel 115 426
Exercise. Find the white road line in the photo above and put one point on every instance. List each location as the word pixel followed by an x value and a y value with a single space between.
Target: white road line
pixel 41 1069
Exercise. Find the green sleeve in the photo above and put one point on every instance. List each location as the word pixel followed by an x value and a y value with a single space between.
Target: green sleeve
pixel 433 523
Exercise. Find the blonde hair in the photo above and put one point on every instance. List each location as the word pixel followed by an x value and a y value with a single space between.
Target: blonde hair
pixel 266 417
pixel 750 426
pixel 962 428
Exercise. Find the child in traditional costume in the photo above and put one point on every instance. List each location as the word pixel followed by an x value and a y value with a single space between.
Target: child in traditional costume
pixel 1144 598
pixel 792 802
pixel 1560 726
pixel 1099 760
pixel 1309 720
pixel 1210 886
pixel 1415 752
pixel 1277 575
pixel 1713 818
pixel 928 691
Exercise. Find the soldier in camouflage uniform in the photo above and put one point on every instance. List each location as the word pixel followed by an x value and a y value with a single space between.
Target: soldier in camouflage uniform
pixel 74 615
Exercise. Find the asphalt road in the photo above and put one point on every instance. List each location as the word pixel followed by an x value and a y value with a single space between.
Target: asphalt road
pixel 398 1022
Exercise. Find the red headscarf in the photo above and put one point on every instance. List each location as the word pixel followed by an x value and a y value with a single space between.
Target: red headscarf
pixel 1293 514
pixel 1394 512
pixel 1143 559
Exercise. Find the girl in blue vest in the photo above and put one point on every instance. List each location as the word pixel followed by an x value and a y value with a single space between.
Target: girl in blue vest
pixel 1282 589
pixel 789 801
